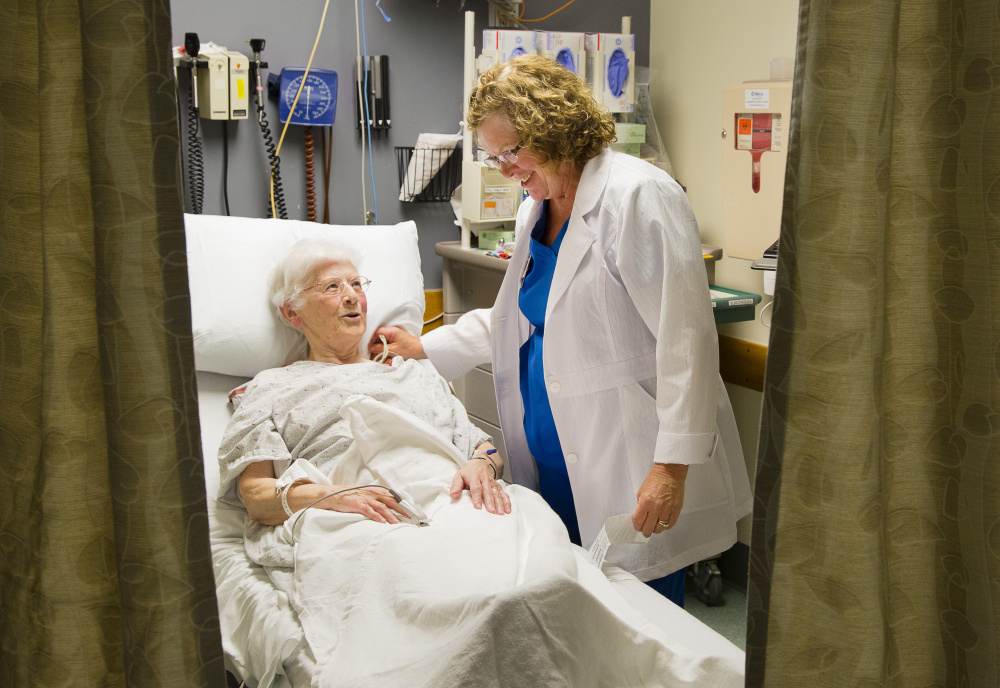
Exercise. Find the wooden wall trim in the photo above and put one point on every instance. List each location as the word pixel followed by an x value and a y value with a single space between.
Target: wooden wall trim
pixel 742 362
pixel 433 307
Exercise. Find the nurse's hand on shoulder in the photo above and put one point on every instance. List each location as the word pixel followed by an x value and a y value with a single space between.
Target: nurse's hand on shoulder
pixel 401 343
pixel 660 498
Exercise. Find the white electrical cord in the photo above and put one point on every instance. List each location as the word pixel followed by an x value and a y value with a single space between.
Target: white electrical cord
pixel 763 308
pixel 359 66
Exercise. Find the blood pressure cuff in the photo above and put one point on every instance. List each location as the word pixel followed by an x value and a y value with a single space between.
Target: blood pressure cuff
pixel 617 72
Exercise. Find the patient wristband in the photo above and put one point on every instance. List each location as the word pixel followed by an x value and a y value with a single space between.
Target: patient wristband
pixel 282 489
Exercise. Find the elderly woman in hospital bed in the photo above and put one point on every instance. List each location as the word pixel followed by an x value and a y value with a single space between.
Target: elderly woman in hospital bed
pixel 398 574
pixel 318 291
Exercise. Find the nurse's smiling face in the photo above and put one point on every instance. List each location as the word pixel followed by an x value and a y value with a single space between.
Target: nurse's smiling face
pixel 540 180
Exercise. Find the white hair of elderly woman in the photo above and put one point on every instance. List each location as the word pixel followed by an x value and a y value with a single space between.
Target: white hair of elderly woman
pixel 298 269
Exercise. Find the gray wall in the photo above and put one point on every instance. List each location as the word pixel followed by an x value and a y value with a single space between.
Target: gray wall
pixel 424 45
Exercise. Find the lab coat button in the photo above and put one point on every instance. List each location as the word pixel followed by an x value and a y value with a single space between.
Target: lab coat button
pixel 555 387
pixel 571 458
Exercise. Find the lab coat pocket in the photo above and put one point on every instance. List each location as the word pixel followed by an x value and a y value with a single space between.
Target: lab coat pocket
pixel 639 424
pixel 705 486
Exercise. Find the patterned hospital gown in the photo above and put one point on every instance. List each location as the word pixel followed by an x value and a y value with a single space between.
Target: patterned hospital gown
pixel 294 413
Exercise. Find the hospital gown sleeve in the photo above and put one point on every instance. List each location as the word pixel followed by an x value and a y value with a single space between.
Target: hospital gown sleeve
pixel 660 262
pixel 465 434
pixel 251 436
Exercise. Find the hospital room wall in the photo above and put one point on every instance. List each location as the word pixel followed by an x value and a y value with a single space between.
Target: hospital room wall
pixel 424 44
pixel 697 50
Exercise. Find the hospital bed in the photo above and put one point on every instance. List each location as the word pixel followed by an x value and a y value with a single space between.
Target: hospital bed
pixel 237 335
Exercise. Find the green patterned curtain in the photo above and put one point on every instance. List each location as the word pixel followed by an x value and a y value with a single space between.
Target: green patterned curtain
pixel 875 557
pixel 105 571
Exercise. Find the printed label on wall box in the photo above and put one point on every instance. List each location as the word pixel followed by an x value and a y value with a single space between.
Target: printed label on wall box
pixel 757 98
pixel 497 205
pixel 758 131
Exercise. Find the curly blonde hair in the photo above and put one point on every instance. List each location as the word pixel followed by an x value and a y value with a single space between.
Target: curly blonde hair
pixel 550 107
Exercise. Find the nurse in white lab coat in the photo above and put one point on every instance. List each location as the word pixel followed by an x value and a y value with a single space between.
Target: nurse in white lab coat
pixel 602 339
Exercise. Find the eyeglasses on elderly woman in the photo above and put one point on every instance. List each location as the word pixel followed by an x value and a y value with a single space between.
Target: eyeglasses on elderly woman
pixel 508 156
pixel 335 286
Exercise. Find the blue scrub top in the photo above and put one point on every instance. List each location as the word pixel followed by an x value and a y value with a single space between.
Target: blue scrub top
pixel 539 426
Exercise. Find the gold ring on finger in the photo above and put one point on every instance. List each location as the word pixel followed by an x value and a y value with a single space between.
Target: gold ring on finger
pixel 665 524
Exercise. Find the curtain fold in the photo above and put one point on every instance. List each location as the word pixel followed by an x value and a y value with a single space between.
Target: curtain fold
pixel 875 556
pixel 106 576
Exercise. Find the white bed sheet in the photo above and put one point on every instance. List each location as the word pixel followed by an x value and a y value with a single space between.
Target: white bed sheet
pixel 262 638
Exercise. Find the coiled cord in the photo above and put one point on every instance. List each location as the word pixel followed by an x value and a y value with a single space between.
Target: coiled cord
pixel 310 175
pixel 195 165
pixel 272 156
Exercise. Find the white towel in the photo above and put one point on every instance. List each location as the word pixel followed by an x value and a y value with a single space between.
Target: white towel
pixel 430 153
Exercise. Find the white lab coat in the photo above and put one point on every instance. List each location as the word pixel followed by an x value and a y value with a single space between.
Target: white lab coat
pixel 631 363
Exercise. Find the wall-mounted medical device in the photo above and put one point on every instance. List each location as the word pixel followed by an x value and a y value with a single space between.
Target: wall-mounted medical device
pixel 223 85
pixel 487 195
pixel 309 99
pixel 755 120
pixel 566 48
pixel 371 93
pixel 317 101
pixel 610 66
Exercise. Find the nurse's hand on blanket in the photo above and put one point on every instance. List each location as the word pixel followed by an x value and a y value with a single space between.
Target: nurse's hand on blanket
pixel 660 498
pixel 479 479
pixel 401 343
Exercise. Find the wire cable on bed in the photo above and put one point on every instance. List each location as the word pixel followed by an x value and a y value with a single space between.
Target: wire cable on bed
pixel 392 493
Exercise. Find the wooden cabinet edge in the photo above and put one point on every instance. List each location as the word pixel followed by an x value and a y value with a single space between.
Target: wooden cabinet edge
pixel 742 362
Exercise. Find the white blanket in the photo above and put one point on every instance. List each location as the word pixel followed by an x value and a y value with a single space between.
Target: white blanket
pixel 471 599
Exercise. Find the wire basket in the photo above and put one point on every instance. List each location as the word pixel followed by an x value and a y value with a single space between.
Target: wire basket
pixel 428 174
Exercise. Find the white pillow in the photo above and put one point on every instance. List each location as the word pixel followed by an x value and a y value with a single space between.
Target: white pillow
pixel 238 332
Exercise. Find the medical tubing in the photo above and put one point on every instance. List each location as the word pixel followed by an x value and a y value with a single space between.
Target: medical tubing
pixel 327 162
pixel 334 494
pixel 556 11
pixel 368 117
pixel 225 164
pixel 278 193
pixel 310 149
pixel 196 172
pixel 358 65
pixel 305 77
pixel 489 463
pixel 180 120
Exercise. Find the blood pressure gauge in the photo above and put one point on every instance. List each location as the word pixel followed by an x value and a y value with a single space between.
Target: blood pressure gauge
pixel 317 105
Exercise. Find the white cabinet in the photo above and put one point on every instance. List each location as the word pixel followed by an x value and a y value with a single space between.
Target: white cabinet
pixel 471 280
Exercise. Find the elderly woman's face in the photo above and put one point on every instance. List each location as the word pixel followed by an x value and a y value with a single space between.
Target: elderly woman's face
pixel 496 136
pixel 333 320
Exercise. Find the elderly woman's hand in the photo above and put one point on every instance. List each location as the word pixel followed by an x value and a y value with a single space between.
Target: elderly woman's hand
pixel 372 502
pixel 477 477
pixel 660 498
pixel 263 504
pixel 401 343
